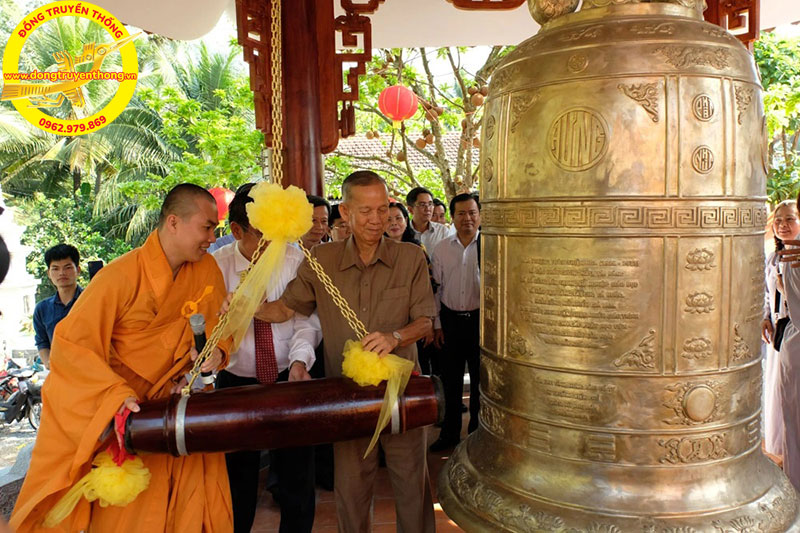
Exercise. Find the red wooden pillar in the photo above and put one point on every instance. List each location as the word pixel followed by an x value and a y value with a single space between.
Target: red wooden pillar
pixel 302 133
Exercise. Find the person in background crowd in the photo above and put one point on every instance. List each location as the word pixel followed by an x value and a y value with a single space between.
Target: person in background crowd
pixel 284 353
pixel 429 233
pixel 439 212
pixel 63 266
pixel 399 228
pixel 388 285
pixel 339 228
pixel 319 227
pixel 785 226
pixel 456 270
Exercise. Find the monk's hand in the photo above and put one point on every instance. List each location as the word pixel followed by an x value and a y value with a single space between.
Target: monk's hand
pixel 226 304
pixel 298 372
pixel 179 385
pixel 791 255
pixel 130 404
pixel 212 361
pixel 380 343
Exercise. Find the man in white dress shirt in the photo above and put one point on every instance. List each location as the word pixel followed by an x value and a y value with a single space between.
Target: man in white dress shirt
pixel 456 268
pixel 268 353
pixel 420 205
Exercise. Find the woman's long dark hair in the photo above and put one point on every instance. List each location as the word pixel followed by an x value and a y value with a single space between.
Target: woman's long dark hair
pixel 408 234
pixel 779 243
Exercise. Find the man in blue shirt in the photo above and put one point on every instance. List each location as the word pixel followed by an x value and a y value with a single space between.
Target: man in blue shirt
pixel 63 267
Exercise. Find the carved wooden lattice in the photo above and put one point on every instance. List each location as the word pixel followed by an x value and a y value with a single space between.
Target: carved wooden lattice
pixel 736 15
pixel 252 17
pixel 252 23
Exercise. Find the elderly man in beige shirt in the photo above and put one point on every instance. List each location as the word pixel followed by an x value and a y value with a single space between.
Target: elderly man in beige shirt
pixel 388 286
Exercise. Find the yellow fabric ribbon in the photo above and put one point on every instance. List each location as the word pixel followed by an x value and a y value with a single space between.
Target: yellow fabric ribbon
pixel 282 216
pixel 107 482
pixel 368 368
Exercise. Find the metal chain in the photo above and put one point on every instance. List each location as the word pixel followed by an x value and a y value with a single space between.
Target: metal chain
pixel 276 70
pixel 277 164
pixel 276 176
pixel 216 333
pixel 347 311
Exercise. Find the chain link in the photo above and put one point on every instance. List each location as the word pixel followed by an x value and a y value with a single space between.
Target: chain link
pixel 277 164
pixel 276 70
pixel 352 319
pixel 216 334
pixel 276 176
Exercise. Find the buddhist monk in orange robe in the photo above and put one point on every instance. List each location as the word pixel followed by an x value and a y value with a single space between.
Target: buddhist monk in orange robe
pixel 126 340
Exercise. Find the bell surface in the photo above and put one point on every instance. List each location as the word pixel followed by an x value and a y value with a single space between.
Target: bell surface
pixel 623 191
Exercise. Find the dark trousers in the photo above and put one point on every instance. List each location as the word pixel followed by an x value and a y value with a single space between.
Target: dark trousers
pixel 294 466
pixel 461 347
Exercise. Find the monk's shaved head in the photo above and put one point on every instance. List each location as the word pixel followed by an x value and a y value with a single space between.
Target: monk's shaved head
pixel 182 201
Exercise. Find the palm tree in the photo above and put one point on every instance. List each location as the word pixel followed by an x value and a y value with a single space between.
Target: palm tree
pixel 133 151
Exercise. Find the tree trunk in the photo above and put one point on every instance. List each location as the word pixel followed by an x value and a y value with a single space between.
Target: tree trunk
pixel 76 181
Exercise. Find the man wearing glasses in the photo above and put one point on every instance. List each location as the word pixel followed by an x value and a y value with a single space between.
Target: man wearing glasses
pixel 428 232
pixel 63 267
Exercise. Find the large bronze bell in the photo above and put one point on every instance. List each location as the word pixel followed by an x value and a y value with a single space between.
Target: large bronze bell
pixel 622 182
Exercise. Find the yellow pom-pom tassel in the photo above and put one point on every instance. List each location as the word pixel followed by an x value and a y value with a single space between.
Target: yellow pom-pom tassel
pixel 368 368
pixel 106 482
pixel 279 214
pixel 282 216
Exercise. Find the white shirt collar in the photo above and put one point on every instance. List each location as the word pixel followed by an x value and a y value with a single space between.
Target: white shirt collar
pixel 240 262
pixel 454 238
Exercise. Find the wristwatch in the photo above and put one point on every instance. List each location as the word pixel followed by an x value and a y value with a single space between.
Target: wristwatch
pixel 396 335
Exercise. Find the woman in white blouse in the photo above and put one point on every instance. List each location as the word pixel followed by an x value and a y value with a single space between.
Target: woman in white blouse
pixel 785 226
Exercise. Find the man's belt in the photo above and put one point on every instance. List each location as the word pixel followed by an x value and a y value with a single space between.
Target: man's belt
pixel 460 314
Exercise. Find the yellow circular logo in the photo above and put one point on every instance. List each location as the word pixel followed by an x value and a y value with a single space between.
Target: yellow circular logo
pixel 30 92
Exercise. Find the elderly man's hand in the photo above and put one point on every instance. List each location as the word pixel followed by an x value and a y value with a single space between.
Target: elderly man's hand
pixel 274 312
pixel 380 343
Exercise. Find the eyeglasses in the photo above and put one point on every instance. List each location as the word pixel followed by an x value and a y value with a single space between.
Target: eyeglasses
pixel 424 205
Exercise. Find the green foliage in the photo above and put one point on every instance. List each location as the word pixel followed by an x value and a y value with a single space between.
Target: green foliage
pixel 220 147
pixel 778 60
pixel 51 221
pixel 420 70
pixel 190 120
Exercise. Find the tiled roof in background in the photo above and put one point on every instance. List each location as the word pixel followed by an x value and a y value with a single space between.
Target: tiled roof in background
pixel 359 145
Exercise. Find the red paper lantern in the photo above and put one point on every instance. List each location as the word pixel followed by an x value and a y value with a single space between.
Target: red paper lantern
pixel 223 197
pixel 398 103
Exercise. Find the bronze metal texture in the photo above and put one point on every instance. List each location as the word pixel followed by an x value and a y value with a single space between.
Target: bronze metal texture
pixel 261 417
pixel 622 182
